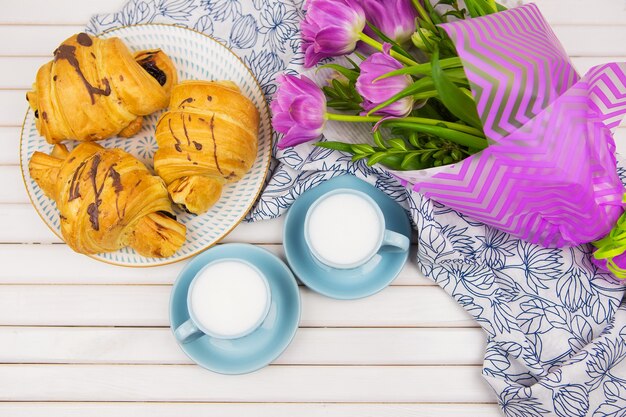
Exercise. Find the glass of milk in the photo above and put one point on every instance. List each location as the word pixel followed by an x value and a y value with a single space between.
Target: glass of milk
pixel 345 228
pixel 227 299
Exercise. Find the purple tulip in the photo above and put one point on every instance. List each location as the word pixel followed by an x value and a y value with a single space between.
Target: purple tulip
pixel 394 18
pixel 330 28
pixel 375 92
pixel 299 110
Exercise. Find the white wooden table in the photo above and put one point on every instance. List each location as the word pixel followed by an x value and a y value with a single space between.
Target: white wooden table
pixel 81 338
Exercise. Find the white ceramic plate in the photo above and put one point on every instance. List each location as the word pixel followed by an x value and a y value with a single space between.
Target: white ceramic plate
pixel 196 56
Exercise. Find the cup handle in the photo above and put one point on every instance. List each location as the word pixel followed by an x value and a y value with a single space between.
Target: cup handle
pixel 187 332
pixel 400 242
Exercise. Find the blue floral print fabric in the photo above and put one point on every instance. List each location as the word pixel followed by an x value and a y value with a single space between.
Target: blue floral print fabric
pixel 556 328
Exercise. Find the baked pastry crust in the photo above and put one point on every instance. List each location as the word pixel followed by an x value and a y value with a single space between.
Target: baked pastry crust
pixel 207 138
pixel 108 200
pixel 96 88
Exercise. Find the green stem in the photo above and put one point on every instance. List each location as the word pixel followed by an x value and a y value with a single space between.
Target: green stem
pixel 379 47
pixel 410 121
pixel 423 13
pixel 352 118
pixel 455 136
pixel 423 69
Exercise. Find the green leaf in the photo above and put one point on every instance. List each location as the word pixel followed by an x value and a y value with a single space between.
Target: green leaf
pixel 493 8
pixel 457 102
pixel 423 69
pixel 342 96
pixel 340 104
pixel 424 84
pixel 341 89
pixel 426 95
pixel 354 64
pixel 460 138
pixel 457 75
pixel 393 161
pixel 434 16
pixel 425 156
pixel 358 157
pixel 338 146
pixel 394 45
pixel 362 148
pixel 397 143
pixel 348 73
pixel 425 88
pixel 376 158
pixel 378 139
pixel 455 13
pixel 329 92
pixel 424 19
pixel 471 9
pixel 414 139
pixel 360 55
pixel 478 8
pixel 411 161
pixel 440 154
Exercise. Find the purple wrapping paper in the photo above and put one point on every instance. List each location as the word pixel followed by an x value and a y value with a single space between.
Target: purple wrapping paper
pixel 549 174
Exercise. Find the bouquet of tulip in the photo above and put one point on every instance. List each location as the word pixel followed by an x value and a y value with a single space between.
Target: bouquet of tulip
pixel 474 106
pixel 428 105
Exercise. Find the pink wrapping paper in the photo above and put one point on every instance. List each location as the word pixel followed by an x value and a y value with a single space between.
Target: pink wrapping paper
pixel 549 174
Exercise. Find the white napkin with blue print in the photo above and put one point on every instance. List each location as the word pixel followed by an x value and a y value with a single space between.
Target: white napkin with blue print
pixel 556 331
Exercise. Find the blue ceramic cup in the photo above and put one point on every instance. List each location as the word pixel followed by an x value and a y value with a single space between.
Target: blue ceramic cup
pixel 374 230
pixel 222 292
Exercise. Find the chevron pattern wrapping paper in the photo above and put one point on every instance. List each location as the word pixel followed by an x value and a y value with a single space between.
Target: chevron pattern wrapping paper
pixel 549 174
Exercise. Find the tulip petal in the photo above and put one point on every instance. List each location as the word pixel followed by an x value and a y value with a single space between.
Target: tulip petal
pixel 375 92
pixel 299 110
pixel 330 28
pixel 303 116
pixel 394 18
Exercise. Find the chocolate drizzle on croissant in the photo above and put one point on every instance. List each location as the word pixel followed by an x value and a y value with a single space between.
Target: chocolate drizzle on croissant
pixel 68 53
pixel 96 88
pixel 107 200
pixel 212 127
pixel 84 39
pixel 208 138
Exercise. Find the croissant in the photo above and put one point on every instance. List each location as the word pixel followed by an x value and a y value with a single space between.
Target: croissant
pixel 107 200
pixel 95 88
pixel 207 138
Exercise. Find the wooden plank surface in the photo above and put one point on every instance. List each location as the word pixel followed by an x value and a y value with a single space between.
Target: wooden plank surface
pixel 13 190
pixel 409 344
pixel 13 106
pixel 19 40
pixel 146 305
pixel 39 409
pixel 61 12
pixel 172 383
pixel 311 346
pixel 80 269
pixel 10 145
pixel 557 12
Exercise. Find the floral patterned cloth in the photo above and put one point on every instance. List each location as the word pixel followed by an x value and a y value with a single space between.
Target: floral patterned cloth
pixel 556 331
